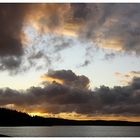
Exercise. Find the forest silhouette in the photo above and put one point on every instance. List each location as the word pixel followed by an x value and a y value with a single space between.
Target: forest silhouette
pixel 10 117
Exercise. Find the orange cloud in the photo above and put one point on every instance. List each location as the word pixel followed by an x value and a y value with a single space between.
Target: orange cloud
pixel 77 116
pixel 133 73
pixel 50 79
pixel 46 17
pixel 117 74
pixel 111 43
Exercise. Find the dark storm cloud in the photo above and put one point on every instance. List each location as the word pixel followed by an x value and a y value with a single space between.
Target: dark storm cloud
pixel 57 98
pixel 11 17
pixel 70 78
pixel 10 63
pixel 126 28
pixel 11 22
pixel 136 82
pixel 80 11
pixel 111 21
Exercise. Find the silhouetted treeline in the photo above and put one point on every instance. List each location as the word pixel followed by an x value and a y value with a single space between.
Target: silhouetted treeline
pixel 13 118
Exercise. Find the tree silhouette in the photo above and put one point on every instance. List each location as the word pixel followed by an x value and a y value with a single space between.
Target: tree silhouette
pixel 14 118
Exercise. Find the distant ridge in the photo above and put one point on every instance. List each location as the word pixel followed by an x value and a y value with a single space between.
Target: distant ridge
pixel 14 118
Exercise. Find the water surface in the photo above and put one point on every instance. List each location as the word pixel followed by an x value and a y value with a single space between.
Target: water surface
pixel 72 131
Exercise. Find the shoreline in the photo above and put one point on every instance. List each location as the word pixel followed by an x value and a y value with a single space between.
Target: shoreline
pixel 1 135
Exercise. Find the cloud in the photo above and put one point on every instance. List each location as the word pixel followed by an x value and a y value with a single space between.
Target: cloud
pixel 114 26
pixel 68 78
pixel 107 25
pixel 12 18
pixel 11 62
pixel 109 56
pixel 86 63
pixel 133 74
pixel 125 78
pixel 56 98
pixel 117 74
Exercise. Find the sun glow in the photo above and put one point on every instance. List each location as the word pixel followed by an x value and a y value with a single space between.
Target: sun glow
pixel 77 116
pixel 50 79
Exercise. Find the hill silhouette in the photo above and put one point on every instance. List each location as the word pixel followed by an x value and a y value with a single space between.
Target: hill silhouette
pixel 14 118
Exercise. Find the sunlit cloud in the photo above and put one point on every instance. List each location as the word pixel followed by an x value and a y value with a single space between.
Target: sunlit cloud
pixel 126 78
pixel 50 79
pixel 111 43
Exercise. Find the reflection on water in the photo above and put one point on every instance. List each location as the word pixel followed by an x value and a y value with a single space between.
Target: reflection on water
pixel 72 131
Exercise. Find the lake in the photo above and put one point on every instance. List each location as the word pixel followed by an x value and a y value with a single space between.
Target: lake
pixel 72 131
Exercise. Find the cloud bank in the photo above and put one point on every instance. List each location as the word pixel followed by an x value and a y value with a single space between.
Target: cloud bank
pixel 66 97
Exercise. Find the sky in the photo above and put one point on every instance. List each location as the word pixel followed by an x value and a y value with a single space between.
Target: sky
pixel 71 60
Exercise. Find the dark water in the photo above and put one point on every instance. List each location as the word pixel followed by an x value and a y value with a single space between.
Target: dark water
pixel 72 131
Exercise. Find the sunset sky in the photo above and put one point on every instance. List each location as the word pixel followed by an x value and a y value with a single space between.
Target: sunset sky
pixel 75 61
